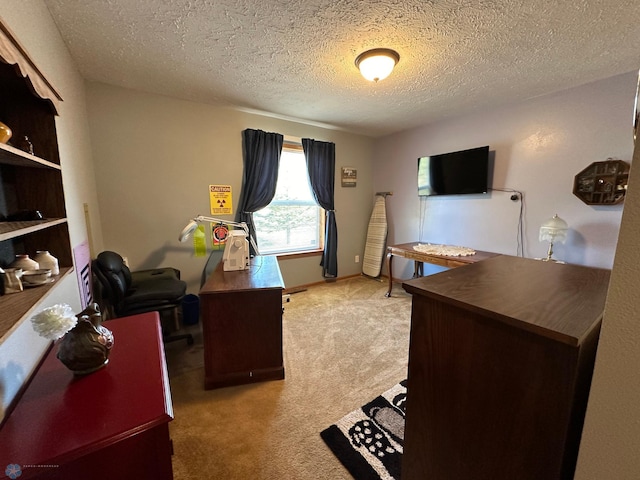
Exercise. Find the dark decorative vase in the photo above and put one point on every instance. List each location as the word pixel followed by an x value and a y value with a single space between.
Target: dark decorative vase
pixel 86 347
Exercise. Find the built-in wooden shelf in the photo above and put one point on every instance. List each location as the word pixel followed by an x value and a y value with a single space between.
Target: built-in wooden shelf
pixel 9 230
pixel 19 306
pixel 10 155
pixel 28 182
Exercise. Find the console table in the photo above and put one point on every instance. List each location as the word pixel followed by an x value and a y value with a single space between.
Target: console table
pixel 113 423
pixel 406 250
pixel 500 363
pixel 242 324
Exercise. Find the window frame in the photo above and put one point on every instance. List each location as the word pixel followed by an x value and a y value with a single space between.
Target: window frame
pixel 293 146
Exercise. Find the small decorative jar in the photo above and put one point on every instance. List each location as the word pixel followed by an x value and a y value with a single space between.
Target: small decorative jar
pixel 86 347
pixel 46 260
pixel 25 263
pixel 5 133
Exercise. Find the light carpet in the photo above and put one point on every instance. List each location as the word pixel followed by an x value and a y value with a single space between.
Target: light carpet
pixel 343 343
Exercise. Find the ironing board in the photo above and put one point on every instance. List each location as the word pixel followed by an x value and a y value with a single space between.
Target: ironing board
pixel 376 238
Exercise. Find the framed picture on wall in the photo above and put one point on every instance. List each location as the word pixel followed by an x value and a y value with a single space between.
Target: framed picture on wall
pixel 349 176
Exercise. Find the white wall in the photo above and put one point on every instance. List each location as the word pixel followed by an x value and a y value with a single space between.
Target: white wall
pixel 32 24
pixel 611 435
pixel 539 146
pixel 155 158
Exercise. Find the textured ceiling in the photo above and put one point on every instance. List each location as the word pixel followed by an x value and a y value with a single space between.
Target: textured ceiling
pixel 295 58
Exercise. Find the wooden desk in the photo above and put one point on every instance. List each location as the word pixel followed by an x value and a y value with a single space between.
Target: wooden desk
pixel 406 250
pixel 113 423
pixel 242 324
pixel 500 363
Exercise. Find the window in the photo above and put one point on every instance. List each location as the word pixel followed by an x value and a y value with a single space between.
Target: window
pixel 293 221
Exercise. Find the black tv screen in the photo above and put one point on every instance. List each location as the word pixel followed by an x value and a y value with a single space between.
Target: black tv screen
pixel 455 173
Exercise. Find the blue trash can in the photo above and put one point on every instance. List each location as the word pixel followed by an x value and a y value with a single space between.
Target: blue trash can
pixel 190 309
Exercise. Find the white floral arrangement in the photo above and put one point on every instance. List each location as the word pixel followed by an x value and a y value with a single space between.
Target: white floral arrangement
pixel 54 322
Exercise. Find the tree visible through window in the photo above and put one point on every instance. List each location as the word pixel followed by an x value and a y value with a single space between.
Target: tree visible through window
pixel 293 221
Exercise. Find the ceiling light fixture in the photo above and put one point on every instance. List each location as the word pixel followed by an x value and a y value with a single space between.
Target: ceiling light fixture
pixel 377 64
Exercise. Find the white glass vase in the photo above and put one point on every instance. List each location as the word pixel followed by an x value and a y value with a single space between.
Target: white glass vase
pixel 25 263
pixel 46 260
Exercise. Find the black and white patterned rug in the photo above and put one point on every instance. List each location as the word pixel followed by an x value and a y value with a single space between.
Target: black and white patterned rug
pixel 369 440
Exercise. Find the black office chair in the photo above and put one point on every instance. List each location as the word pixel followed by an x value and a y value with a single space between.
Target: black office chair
pixel 121 292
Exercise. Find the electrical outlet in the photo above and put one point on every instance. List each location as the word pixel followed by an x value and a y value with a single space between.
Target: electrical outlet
pixel 357 258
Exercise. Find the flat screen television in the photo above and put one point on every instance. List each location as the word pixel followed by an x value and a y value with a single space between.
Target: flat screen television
pixel 455 173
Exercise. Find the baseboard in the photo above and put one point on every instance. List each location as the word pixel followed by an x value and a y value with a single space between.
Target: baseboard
pixel 302 288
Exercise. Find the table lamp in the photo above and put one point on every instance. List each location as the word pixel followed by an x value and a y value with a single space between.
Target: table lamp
pixel 553 230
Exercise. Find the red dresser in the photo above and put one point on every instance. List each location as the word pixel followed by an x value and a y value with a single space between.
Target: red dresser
pixel 111 424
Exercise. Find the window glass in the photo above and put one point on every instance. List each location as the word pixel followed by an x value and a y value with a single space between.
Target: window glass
pixel 293 221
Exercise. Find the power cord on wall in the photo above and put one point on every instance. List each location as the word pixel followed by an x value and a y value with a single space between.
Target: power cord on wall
pixel 516 196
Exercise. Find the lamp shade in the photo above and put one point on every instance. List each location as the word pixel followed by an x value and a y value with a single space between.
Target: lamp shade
pixel 554 230
pixel 377 64
pixel 188 230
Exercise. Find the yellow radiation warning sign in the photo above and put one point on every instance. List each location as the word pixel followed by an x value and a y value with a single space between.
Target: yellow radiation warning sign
pixel 220 199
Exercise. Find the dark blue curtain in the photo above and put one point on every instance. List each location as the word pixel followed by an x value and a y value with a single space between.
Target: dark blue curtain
pixel 321 164
pixel 261 156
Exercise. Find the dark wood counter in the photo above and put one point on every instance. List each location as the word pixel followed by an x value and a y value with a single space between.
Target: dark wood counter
pixel 242 324
pixel 500 363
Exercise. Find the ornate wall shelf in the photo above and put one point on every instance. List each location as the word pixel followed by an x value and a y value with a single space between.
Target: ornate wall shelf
pixel 602 183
